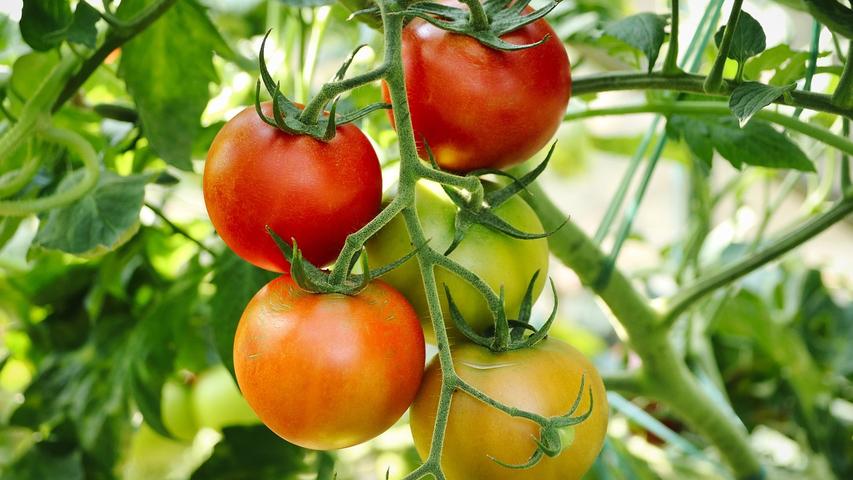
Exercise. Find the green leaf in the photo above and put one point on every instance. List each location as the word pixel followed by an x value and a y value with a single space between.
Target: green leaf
pixel 750 97
pixel 44 23
pixel 155 344
pixel 170 91
pixel 748 40
pixel 82 30
pixel 834 14
pixel 236 281
pixel 102 220
pixel 247 453
pixel 756 144
pixel 40 463
pixel 643 31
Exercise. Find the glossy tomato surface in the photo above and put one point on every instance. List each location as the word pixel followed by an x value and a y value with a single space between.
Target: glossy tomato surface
pixel 498 259
pixel 328 371
pixel 316 192
pixel 543 380
pixel 478 107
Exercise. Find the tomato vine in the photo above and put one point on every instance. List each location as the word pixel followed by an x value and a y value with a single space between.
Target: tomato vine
pixel 664 374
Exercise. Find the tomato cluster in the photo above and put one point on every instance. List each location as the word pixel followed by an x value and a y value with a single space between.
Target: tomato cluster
pixel 323 371
pixel 329 370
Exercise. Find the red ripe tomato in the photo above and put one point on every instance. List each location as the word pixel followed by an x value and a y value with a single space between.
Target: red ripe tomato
pixel 316 192
pixel 328 371
pixel 478 107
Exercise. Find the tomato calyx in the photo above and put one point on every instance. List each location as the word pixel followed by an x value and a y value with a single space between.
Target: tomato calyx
pixel 479 211
pixel 507 334
pixel 316 280
pixel 493 19
pixel 555 433
pixel 287 115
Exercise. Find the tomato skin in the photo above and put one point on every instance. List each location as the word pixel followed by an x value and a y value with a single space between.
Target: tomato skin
pixel 478 107
pixel 497 258
pixel 316 192
pixel 328 371
pixel 543 380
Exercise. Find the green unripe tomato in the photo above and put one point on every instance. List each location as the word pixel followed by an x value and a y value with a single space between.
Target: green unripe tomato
pixel 176 409
pixel 217 401
pixel 498 259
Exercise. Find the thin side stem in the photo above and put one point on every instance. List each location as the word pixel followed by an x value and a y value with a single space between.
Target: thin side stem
pixel 12 182
pixel 714 81
pixel 479 20
pixel 846 179
pixel 333 89
pixel 91 173
pixel 843 96
pixel 670 65
pixel 624 184
pixel 720 108
pixel 684 299
pixel 690 83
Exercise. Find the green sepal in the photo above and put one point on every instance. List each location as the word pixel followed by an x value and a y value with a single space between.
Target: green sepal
pixel 286 114
pixel 470 214
pixel 553 438
pixel 504 17
pixel 316 280
pixel 512 338
pixel 462 325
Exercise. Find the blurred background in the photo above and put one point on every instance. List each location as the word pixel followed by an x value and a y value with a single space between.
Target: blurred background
pixel 776 346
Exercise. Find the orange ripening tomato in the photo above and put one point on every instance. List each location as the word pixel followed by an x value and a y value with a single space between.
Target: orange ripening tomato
pixel 328 371
pixel 545 380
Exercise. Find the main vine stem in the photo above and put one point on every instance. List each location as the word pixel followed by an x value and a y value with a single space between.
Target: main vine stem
pixel 664 374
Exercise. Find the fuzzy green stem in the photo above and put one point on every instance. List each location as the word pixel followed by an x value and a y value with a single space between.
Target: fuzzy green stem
pixel 670 63
pixel 478 19
pixel 689 83
pixel 681 301
pixel 355 241
pixel 91 173
pixel 843 96
pixel 13 182
pixel 33 114
pixel 333 89
pixel 719 108
pixel 714 82
pixel 631 383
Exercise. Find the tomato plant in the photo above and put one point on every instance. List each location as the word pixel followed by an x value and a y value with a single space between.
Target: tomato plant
pixel 735 158
pixel 477 107
pixel 500 260
pixel 312 191
pixel 327 371
pixel 545 379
